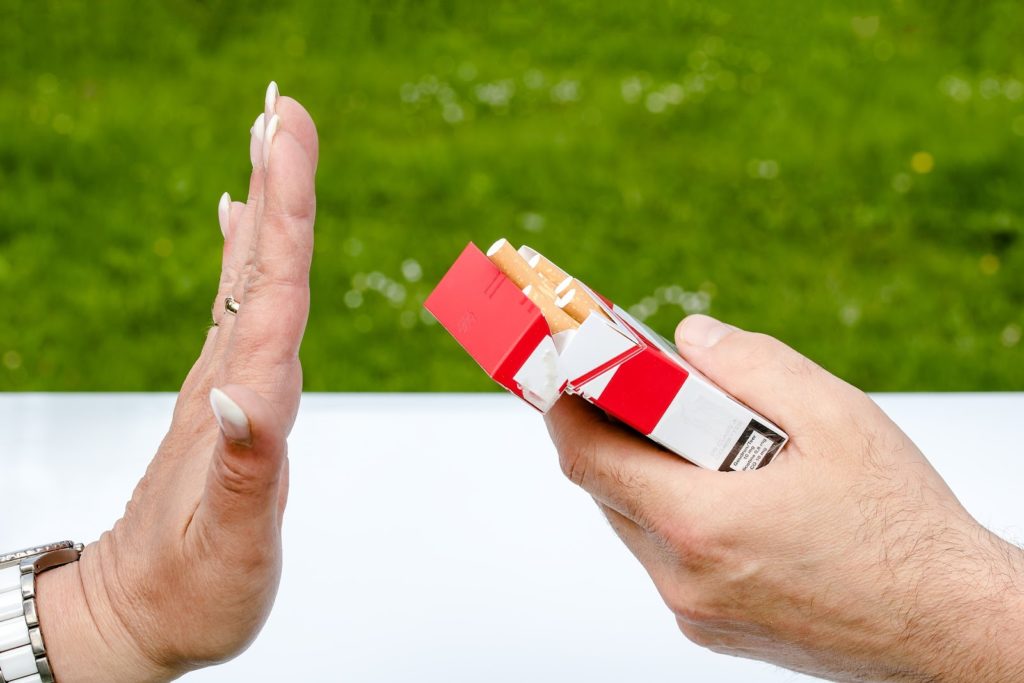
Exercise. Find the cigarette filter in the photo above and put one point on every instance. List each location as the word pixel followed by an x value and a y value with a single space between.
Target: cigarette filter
pixel 512 264
pixel 578 304
pixel 548 270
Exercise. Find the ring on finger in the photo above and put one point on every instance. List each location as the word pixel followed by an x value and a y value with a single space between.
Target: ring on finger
pixel 231 305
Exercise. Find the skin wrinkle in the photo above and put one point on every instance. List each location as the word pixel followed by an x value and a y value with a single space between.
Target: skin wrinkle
pixel 574 464
pixel 125 614
pixel 262 279
pixel 636 502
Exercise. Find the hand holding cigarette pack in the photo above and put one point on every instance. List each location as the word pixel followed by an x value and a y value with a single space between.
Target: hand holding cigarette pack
pixel 540 333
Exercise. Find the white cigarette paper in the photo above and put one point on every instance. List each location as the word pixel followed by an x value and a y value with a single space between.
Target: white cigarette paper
pixel 557 319
pixel 548 270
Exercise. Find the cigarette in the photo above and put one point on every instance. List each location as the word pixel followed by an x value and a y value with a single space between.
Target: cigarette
pixel 548 270
pixel 557 319
pixel 578 304
pixel 527 252
pixel 565 284
pixel 515 267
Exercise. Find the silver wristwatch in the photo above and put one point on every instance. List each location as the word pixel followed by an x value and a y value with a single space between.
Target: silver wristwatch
pixel 22 653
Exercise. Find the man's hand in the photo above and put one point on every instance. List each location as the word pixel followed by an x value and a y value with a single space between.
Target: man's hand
pixel 188 576
pixel 847 557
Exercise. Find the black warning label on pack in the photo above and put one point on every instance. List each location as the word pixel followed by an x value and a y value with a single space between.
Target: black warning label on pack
pixel 755 448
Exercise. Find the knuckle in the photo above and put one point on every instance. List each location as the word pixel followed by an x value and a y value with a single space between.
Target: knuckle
pixel 747 351
pixel 687 610
pixel 235 478
pixel 574 459
pixel 268 273
pixel 756 349
pixel 798 365
pixel 282 215
pixel 697 550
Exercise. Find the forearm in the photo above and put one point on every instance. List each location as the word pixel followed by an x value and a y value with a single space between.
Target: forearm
pixel 85 641
pixel 977 631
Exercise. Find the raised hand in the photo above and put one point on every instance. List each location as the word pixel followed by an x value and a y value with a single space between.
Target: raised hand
pixel 847 557
pixel 188 576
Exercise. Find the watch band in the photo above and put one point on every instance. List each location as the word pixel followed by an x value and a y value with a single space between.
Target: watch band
pixel 22 651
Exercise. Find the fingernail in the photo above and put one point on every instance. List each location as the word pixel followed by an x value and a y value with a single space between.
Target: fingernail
pixel 256 141
pixel 258 126
pixel 270 100
pixel 703 330
pixel 231 418
pixel 268 138
pixel 224 213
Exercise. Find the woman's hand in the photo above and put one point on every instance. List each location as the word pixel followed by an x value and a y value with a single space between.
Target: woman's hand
pixel 846 557
pixel 188 576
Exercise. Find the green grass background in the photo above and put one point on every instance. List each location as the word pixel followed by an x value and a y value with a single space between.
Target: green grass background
pixel 749 157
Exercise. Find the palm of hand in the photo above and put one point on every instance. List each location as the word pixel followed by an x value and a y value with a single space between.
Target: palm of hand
pixel 189 574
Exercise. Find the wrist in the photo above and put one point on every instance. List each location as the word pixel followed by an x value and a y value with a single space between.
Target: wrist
pixel 85 641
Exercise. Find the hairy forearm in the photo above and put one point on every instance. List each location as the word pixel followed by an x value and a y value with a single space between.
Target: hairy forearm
pixel 975 629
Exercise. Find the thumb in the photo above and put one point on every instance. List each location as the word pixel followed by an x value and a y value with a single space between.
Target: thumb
pixel 240 500
pixel 770 377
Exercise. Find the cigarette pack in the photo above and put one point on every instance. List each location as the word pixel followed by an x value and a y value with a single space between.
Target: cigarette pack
pixel 609 358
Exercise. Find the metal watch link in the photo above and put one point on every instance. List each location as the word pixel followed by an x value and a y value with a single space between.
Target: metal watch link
pixel 22 652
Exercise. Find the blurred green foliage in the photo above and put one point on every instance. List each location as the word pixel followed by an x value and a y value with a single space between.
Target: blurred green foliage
pixel 846 176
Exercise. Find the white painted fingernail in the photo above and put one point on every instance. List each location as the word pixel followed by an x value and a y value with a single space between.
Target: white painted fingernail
pixel 270 101
pixel 230 417
pixel 268 138
pixel 256 141
pixel 224 213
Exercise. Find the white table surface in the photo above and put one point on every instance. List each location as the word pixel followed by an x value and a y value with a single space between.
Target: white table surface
pixel 419 547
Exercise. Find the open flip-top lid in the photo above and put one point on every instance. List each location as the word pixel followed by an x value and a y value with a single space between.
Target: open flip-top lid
pixel 488 315
pixel 507 335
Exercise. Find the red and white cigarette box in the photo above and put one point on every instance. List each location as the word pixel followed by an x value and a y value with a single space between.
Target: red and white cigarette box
pixel 618 364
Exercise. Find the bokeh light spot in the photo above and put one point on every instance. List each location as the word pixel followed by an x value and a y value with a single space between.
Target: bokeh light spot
pixel 865 27
pixel 1011 335
pixel 353 298
pixel 989 264
pixel 902 182
pixel 63 124
pixel 12 360
pixel 533 222
pixel 849 315
pixel 922 162
pixel 765 169
pixel 353 246
pixel 163 247
pixel 411 270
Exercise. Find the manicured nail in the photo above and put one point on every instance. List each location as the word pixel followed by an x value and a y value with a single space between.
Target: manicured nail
pixel 231 418
pixel 270 101
pixel 268 138
pixel 256 141
pixel 224 213
pixel 703 330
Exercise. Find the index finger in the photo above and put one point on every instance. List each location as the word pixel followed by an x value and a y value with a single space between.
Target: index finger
pixel 620 468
